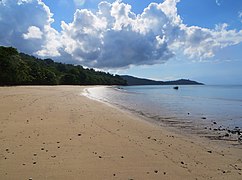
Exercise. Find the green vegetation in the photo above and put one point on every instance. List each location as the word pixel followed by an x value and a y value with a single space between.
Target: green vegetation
pixel 22 69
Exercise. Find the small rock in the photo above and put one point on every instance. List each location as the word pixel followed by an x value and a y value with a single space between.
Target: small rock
pixel 114 174
pixel 204 118
pixel 79 134
pixel 34 162
pixel 214 122
pixel 182 162
pixel 35 154
pixel 234 131
pixel 42 149
pixel 164 173
pixel 122 157
pixel 209 151
pixel 226 135
pixel 240 139
pixel 156 171
pixel 100 157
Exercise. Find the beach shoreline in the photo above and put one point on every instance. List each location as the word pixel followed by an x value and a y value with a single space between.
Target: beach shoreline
pixel 195 130
pixel 54 132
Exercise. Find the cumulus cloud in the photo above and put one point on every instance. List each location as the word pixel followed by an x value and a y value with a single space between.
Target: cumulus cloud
pixel 110 38
pixel 113 36
pixel 116 37
pixel 33 33
pixel 26 25
pixel 203 43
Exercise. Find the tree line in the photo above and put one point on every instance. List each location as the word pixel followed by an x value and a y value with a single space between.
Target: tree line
pixel 22 69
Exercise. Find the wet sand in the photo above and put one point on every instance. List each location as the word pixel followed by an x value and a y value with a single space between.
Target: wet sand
pixel 56 133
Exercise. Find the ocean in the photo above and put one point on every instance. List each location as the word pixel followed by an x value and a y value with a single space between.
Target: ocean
pixel 197 109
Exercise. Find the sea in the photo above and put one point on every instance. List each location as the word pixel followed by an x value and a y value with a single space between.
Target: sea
pixel 200 109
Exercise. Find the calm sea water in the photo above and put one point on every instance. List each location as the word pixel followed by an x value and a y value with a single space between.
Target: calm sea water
pixel 189 107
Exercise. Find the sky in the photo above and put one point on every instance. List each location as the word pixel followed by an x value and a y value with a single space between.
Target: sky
pixel 158 39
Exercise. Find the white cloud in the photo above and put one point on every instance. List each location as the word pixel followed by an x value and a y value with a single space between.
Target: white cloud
pixel 27 26
pixel 52 43
pixel 33 33
pixel 116 37
pixel 23 1
pixel 203 43
pixel 113 36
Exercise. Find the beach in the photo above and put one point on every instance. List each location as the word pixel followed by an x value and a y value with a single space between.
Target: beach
pixel 54 132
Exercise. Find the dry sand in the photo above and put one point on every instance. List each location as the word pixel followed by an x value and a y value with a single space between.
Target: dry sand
pixel 56 133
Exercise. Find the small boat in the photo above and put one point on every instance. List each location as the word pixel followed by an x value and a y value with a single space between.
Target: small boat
pixel 176 87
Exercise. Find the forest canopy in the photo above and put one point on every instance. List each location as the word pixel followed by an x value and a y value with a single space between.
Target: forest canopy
pixel 22 69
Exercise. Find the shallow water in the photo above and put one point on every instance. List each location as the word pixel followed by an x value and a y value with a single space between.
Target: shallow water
pixel 190 107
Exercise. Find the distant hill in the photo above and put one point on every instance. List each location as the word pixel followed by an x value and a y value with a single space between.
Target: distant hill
pixel 133 81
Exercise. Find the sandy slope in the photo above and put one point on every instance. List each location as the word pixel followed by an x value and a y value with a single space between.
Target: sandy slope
pixel 55 133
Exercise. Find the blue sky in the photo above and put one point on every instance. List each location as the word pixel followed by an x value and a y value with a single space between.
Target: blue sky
pixel 166 40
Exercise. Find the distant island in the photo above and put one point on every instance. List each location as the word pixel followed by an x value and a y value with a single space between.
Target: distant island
pixel 135 81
